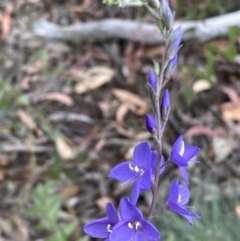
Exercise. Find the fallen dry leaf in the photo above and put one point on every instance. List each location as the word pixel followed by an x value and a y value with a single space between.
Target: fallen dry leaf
pixel 237 210
pixel 57 96
pixel 232 94
pixel 25 82
pixel 222 147
pixel 102 202
pixel 2 175
pixel 92 78
pixel 133 102
pixel 121 113
pixel 231 112
pixel 70 191
pixel 5 22
pixel 201 85
pixel 201 130
pixel 64 148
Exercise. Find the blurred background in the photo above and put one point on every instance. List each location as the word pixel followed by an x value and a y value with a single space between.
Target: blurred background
pixel 72 105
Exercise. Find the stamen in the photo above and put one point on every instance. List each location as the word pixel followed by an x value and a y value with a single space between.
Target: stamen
pixel 138 224
pixel 109 228
pixel 130 167
pixel 136 169
pixel 179 198
pixel 130 225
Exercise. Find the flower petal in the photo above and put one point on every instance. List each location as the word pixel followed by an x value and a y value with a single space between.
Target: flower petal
pixel 112 213
pixel 128 211
pixel 178 160
pixel 184 194
pixel 190 152
pixel 184 174
pixel 154 160
pixel 122 232
pixel 177 146
pixel 138 236
pixel 123 172
pixel 173 192
pixel 181 210
pixel 97 228
pixel 149 231
pixel 142 155
pixel 135 192
pixel 145 180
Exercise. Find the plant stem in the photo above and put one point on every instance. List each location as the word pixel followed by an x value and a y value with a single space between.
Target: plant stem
pixel 159 137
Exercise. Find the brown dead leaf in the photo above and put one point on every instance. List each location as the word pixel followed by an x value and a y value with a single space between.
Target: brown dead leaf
pixel 92 78
pixel 133 102
pixel 201 130
pixel 121 113
pixel 29 121
pixel 232 94
pixel 5 22
pixel 2 175
pixel 25 82
pixel 237 210
pixel 70 191
pixel 59 97
pixel 102 202
pixel 231 112
pixel 64 148
pixel 201 85
pixel 34 68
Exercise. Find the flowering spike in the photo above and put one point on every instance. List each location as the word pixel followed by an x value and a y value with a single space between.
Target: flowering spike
pixel 152 79
pixel 175 40
pixel 171 66
pixel 165 106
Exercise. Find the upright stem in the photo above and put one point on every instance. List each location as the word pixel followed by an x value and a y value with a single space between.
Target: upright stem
pixel 159 137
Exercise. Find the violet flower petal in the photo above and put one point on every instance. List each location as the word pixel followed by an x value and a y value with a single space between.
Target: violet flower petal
pixel 190 152
pixel 183 194
pixel 173 192
pixel 184 174
pixel 112 214
pixel 138 236
pixel 122 232
pixel 142 155
pixel 124 172
pixel 178 160
pixel 149 231
pixel 145 181
pixel 135 192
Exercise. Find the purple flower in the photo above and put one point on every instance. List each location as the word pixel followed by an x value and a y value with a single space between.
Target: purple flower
pixel 181 154
pixel 152 80
pixel 171 66
pixel 138 170
pixel 133 226
pixel 154 164
pixel 175 40
pixel 150 123
pixel 179 196
pixel 102 228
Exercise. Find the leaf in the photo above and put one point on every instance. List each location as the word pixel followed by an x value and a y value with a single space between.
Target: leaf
pixel 65 150
pixel 132 101
pixel 92 78
pixel 59 97
pixel 121 113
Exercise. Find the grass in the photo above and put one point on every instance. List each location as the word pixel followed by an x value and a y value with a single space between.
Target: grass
pixel 219 222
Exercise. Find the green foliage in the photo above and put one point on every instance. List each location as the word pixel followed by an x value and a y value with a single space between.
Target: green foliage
pixel 124 3
pixel 46 206
pixel 219 223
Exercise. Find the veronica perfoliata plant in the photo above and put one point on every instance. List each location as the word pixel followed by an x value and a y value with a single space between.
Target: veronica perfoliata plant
pixel 147 164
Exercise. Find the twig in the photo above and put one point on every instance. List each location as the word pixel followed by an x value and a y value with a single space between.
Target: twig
pixel 100 31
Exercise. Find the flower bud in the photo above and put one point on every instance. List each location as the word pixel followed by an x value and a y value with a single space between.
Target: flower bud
pixel 150 123
pixel 168 15
pixel 152 80
pixel 175 40
pixel 171 66
pixel 165 105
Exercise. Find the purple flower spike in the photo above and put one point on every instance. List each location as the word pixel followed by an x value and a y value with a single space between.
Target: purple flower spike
pixel 150 123
pixel 152 79
pixel 179 196
pixel 139 169
pixel 181 154
pixel 102 228
pixel 171 66
pixel 165 105
pixel 133 226
pixel 175 40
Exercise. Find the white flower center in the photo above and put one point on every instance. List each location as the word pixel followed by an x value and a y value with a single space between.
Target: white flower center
pixel 136 169
pixel 109 228
pixel 182 149
pixel 179 198
pixel 135 225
